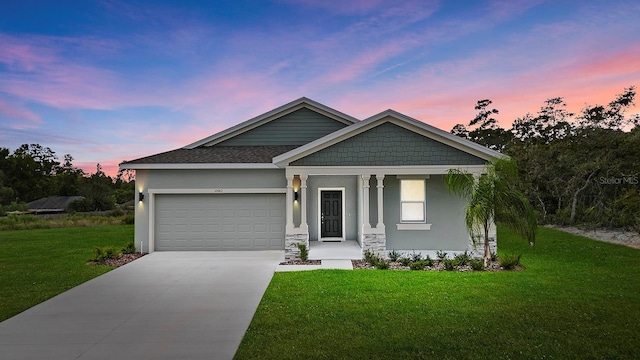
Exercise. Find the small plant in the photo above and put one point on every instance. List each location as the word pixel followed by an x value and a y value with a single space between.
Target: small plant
pixel 416 256
pixel 381 264
pixel 449 264
pixel 421 264
pixel 510 261
pixel 477 265
pixel 394 255
pixel 404 261
pixel 369 256
pixel 441 255
pixel 462 259
pixel 129 248
pixel 104 253
pixel 304 252
pixel 494 257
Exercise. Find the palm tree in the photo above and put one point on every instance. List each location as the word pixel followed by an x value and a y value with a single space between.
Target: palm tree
pixel 493 198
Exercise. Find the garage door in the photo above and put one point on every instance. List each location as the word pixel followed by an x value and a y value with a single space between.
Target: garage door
pixel 220 222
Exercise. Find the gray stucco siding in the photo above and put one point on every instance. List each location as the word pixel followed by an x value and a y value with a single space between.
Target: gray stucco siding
pixel 297 128
pixel 211 179
pixel 445 213
pixel 388 145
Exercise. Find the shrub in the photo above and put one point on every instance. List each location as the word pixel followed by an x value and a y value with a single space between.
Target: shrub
pixel 416 256
pixel 449 264
pixel 369 256
pixel 405 261
pixel 381 264
pixel 129 248
pixel 441 255
pixel 510 261
pixel 115 212
pixel 128 219
pixel 477 265
pixel 103 253
pixel 394 255
pixel 421 264
pixel 304 252
pixel 462 259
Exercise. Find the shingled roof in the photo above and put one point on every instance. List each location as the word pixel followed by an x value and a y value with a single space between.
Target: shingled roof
pixel 217 155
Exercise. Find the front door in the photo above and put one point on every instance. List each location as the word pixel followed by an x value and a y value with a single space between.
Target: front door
pixel 331 214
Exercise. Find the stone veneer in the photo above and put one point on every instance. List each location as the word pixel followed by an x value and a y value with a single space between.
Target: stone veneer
pixel 476 250
pixel 291 241
pixel 376 243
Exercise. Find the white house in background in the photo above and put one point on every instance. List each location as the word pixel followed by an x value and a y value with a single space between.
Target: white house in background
pixel 306 172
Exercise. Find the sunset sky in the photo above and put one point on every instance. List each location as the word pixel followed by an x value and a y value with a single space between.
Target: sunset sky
pixel 108 81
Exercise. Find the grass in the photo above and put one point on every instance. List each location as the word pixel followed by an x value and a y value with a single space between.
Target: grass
pixel 29 222
pixel 36 265
pixel 577 298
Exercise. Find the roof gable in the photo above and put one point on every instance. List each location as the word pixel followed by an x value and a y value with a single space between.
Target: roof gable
pixel 323 120
pixel 296 128
pixel 388 138
pixel 388 145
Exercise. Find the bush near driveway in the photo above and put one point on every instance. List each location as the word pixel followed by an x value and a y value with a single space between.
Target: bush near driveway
pixel 576 299
pixel 36 265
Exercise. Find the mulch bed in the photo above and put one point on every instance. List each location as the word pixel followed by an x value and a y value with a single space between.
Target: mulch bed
pixel 437 266
pixel 122 259
pixel 300 262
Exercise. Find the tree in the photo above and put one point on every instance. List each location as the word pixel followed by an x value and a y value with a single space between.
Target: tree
pixel 484 129
pixel 493 197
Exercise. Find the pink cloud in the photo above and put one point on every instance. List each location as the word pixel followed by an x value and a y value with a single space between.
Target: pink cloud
pixel 19 117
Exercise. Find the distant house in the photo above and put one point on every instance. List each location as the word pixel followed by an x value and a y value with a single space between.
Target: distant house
pixel 306 172
pixel 52 204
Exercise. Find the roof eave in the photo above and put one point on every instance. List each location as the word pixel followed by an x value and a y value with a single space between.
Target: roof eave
pixel 197 166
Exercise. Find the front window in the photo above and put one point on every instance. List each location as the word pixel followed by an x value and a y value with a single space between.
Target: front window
pixel 412 201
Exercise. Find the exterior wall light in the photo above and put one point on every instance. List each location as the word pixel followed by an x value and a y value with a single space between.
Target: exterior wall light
pixel 140 197
pixel 295 196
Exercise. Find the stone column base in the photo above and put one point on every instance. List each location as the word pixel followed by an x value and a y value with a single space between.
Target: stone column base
pixel 376 243
pixel 291 241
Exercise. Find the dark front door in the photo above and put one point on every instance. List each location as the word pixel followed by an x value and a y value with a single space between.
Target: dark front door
pixel 331 214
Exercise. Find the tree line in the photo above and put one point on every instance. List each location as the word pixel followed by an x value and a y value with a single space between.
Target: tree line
pixel 33 171
pixel 579 168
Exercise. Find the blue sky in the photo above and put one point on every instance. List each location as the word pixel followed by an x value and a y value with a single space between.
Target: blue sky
pixel 115 80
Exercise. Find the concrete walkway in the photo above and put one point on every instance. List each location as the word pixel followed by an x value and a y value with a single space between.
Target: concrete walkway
pixel 167 305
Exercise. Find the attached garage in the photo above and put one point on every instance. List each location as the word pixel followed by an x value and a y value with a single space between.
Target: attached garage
pixel 211 222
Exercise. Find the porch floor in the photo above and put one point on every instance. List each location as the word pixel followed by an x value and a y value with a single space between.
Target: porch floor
pixel 338 250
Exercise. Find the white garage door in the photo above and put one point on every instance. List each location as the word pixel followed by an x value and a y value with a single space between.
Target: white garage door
pixel 220 222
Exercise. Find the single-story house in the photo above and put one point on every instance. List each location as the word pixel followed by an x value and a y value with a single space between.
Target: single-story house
pixel 306 172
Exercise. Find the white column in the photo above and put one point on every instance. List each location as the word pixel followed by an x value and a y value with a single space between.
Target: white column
pixel 380 224
pixel 289 204
pixel 303 202
pixel 366 226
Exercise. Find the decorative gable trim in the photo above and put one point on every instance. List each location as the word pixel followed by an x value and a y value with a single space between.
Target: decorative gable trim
pixel 272 115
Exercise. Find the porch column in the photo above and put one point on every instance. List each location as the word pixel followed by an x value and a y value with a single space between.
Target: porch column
pixel 289 204
pixel 303 203
pixel 380 224
pixel 366 226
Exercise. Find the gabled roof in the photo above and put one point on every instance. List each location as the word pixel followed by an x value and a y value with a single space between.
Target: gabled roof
pixel 53 203
pixel 303 102
pixel 223 155
pixel 395 118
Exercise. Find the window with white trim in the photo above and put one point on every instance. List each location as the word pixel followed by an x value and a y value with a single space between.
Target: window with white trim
pixel 413 198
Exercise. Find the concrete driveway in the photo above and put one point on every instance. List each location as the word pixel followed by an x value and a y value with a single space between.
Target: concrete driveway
pixel 167 305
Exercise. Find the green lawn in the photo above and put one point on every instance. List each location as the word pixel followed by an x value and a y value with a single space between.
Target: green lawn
pixel 576 299
pixel 36 265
